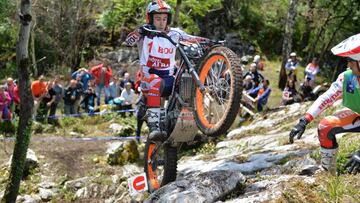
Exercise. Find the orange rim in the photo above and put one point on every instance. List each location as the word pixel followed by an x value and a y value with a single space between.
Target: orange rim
pixel 152 174
pixel 199 96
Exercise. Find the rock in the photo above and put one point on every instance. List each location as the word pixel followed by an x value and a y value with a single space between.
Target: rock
pixel 266 190
pixel 75 134
pixel 47 185
pixel 31 162
pixel 200 187
pixel 309 170
pixel 74 185
pixel 119 153
pixel 46 194
pixel 122 131
pixel 116 128
pixel 29 199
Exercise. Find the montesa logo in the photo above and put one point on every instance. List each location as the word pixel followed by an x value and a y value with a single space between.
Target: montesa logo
pixel 162 50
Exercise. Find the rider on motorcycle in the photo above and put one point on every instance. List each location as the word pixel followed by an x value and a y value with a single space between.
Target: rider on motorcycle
pixel 157 61
pixel 347 87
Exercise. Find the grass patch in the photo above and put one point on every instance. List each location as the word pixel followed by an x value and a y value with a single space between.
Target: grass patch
pixel 347 145
pixel 208 148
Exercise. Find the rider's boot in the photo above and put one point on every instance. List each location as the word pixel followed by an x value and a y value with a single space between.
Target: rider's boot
pixel 328 159
pixel 154 116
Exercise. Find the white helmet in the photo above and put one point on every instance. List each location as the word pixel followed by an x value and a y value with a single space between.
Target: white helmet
pixel 293 54
pixel 348 48
pixel 157 6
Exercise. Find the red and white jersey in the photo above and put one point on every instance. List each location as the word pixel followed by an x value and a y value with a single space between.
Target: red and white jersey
pixel 159 53
pixel 327 99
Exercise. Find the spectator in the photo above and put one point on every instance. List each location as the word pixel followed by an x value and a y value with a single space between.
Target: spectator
pixel 292 65
pixel 102 74
pixel 259 64
pixel 114 89
pixel 262 94
pixel 248 83
pixel 80 91
pixel 127 96
pixel 255 75
pixel 310 72
pixel 5 100
pixel 38 89
pixel 289 93
pixel 56 91
pixel 10 88
pixel 70 98
pixel 85 77
pixel 125 80
pixel 89 99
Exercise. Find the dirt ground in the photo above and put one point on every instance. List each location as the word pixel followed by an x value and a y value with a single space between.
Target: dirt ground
pixel 59 157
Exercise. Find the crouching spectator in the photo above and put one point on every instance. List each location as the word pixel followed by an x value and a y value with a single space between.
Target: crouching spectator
pixel 289 93
pixel 88 103
pixel 127 96
pixel 261 94
pixel 55 93
pixel 38 89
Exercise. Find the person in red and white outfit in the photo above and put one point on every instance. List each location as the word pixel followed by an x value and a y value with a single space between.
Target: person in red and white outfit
pixel 157 59
pixel 347 88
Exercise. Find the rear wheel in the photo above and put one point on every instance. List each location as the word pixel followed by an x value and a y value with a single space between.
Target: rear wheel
pixel 221 74
pixel 160 164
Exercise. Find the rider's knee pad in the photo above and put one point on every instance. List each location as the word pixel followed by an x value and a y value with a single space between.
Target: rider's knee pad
pixel 327 131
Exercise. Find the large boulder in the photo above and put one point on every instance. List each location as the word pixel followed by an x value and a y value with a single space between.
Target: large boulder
pixel 201 187
pixel 120 153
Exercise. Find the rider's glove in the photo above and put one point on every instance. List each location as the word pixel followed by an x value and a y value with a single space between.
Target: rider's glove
pixel 298 129
pixel 353 164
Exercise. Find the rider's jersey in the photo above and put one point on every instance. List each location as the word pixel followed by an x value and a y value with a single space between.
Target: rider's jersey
pixel 334 93
pixel 159 53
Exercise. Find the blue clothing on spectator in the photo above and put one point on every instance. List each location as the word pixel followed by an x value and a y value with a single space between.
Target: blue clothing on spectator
pixel 263 98
pixel 113 90
pixel 85 78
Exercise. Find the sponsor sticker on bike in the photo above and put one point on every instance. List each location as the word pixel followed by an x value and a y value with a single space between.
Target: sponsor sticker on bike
pixel 137 184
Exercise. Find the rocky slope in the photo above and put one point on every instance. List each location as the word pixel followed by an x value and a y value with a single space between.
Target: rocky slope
pixel 252 164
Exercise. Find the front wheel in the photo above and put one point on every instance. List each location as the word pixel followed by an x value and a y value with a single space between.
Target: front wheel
pixel 160 164
pixel 221 74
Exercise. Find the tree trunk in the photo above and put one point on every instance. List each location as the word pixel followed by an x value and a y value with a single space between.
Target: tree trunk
pixel 33 56
pixel 177 13
pixel 26 105
pixel 308 24
pixel 287 43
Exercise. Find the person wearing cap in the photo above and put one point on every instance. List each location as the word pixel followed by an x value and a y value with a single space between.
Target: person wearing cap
pixel 347 88
pixel 291 66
